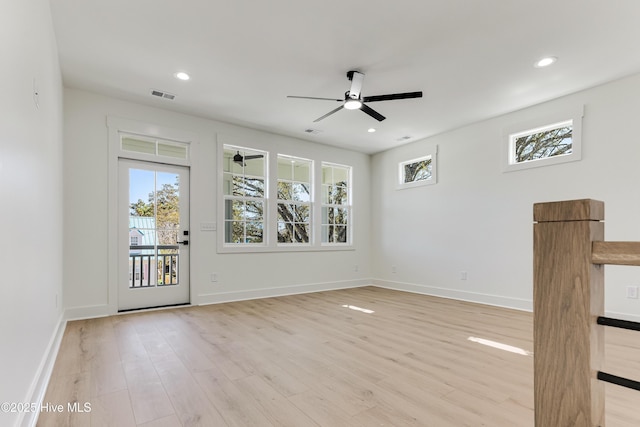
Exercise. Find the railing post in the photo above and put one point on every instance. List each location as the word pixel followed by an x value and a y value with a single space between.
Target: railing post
pixel 568 296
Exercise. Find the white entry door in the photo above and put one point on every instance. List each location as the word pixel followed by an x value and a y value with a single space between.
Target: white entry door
pixel 153 235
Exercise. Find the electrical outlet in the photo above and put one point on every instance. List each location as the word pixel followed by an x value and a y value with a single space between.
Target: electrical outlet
pixel 463 275
pixel 214 277
pixel 394 269
pixel 355 268
pixel 632 292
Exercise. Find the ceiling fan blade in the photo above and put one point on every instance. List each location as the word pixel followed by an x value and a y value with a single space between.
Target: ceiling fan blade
pixel 328 114
pixel 392 96
pixel 356 84
pixel 311 97
pixel 373 113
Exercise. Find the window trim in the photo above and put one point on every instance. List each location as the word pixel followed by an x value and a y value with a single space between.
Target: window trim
pixel 544 122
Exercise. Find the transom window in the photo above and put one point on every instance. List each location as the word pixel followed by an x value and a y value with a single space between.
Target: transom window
pixel 294 200
pixel 541 143
pixel 154 147
pixel 336 203
pixel 244 183
pixel 420 171
pixel 549 139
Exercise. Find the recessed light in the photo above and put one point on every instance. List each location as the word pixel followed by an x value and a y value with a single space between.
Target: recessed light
pixel 371 130
pixel 181 75
pixel 545 62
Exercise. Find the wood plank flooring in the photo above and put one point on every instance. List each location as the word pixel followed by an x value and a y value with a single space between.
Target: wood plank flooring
pixel 318 359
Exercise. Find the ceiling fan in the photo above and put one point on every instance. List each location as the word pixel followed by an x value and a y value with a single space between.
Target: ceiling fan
pixel 239 158
pixel 354 101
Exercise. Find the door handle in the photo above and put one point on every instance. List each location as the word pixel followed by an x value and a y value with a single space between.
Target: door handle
pixel 184 242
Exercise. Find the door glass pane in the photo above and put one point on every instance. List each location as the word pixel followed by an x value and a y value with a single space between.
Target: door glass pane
pixel 154 224
pixel 167 207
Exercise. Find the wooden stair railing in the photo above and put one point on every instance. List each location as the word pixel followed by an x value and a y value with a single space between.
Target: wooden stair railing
pixel 568 312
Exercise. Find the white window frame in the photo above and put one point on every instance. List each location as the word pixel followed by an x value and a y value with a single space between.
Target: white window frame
pixel 542 123
pixel 433 179
pixel 264 199
pixel 270 241
pixel 310 203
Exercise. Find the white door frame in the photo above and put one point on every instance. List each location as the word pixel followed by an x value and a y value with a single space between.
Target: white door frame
pixel 118 126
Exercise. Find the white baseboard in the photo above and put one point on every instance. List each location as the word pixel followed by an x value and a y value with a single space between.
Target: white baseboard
pixel 88 312
pixel 623 316
pixel 488 299
pixel 41 380
pixel 222 297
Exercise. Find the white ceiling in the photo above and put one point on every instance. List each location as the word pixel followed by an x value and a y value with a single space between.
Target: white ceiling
pixel 472 59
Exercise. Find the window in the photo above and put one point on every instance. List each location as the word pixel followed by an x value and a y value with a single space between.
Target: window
pixel 270 202
pixel 336 203
pixel 549 141
pixel 244 184
pixel 417 172
pixel 134 241
pixel 154 147
pixel 294 200
pixel 553 139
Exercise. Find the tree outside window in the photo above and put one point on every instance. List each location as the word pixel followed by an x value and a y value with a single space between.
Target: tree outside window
pixel 553 140
pixel 244 195
pixel 336 204
pixel 294 199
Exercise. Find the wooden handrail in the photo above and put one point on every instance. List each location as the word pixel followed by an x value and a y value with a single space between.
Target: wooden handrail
pixel 616 253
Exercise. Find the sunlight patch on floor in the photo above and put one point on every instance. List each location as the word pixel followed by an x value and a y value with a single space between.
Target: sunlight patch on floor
pixel 500 346
pixel 353 307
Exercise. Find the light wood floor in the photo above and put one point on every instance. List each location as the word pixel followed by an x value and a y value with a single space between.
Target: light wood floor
pixel 313 360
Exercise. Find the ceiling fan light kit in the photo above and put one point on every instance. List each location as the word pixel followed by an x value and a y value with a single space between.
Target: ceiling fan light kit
pixel 354 101
pixel 352 104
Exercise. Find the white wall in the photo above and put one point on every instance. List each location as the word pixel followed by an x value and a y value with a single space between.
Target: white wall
pixel 479 220
pixel 31 201
pixel 240 276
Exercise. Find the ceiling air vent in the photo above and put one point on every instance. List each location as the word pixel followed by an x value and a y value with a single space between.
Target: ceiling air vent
pixel 404 138
pixel 312 131
pixel 161 94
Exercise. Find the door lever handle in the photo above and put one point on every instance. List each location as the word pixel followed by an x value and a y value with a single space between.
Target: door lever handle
pixel 184 242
